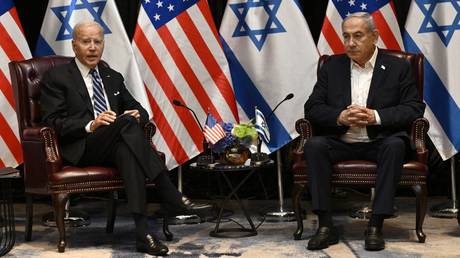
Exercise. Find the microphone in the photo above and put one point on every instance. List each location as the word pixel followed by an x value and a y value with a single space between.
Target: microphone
pixel 288 97
pixel 180 104
pixel 203 160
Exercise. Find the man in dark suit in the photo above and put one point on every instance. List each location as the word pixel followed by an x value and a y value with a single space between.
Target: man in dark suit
pixel 361 106
pixel 100 123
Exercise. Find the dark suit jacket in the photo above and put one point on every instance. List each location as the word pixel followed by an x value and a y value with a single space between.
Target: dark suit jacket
pixel 67 107
pixel 392 93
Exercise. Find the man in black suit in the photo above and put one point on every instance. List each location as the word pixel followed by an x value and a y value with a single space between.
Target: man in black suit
pixel 361 106
pixel 100 123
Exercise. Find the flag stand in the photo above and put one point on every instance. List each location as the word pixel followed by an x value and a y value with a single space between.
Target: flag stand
pixel 185 218
pixel 280 214
pixel 448 209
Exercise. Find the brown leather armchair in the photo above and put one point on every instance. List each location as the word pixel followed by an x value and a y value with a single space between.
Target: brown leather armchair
pixel 362 173
pixel 44 170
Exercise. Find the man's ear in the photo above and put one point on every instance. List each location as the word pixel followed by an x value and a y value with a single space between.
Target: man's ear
pixel 376 36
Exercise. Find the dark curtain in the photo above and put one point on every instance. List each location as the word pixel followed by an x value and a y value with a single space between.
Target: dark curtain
pixel 31 14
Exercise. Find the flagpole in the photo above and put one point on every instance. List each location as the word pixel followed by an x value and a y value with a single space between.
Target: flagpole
pixel 448 209
pixel 280 214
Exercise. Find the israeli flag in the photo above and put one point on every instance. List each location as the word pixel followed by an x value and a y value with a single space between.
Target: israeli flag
pixel 271 53
pixel 56 36
pixel 261 126
pixel 432 28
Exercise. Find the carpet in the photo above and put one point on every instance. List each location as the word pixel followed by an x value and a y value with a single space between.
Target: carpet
pixel 273 239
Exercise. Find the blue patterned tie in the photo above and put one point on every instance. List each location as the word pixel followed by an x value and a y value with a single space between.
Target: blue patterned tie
pixel 100 105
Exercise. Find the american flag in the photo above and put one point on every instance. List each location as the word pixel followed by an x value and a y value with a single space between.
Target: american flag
pixel 383 12
pixel 180 57
pixel 13 46
pixel 213 131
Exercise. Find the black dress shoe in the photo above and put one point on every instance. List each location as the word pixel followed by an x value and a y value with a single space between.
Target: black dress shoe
pixel 373 240
pixel 324 237
pixel 193 206
pixel 150 245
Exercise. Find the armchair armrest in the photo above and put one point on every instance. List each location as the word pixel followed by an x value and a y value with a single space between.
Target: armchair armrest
pixel 418 136
pixel 305 130
pixel 41 156
pixel 149 131
pixel 46 136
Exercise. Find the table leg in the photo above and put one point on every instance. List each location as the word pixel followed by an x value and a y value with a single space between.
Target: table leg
pixel 248 232
pixel 7 234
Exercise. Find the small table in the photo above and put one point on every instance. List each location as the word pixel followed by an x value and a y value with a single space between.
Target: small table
pixel 7 230
pixel 225 170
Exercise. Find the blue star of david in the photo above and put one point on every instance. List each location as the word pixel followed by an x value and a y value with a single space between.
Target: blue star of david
pixel 429 24
pixel 257 36
pixel 64 13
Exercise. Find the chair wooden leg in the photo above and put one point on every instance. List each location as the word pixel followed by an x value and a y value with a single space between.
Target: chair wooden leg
pixel 29 217
pixel 421 199
pixel 168 234
pixel 296 199
pixel 111 212
pixel 59 201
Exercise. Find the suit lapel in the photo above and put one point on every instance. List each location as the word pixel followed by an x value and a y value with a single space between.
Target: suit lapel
pixel 378 76
pixel 111 92
pixel 345 72
pixel 80 85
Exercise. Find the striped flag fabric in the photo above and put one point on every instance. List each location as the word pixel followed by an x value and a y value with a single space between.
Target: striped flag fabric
pixel 13 47
pixel 213 131
pixel 271 54
pixel 180 57
pixel 56 36
pixel 432 28
pixel 383 13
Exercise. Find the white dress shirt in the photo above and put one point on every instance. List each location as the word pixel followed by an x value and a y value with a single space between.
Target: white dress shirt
pixel 360 83
pixel 84 70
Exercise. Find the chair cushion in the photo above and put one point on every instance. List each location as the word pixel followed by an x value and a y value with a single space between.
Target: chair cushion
pixel 71 174
pixel 411 168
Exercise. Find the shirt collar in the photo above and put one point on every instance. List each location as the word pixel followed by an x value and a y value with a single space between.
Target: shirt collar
pixel 370 63
pixel 84 70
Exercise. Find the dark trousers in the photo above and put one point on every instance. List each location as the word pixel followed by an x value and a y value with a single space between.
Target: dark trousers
pixel 323 151
pixel 123 145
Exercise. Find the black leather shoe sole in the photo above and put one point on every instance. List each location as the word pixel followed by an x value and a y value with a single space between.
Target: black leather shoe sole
pixel 160 251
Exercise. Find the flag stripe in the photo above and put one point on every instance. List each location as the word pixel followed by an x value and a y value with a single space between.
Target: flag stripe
pixel 9 46
pixel 204 8
pixel 186 70
pixel 14 15
pixel 385 31
pixel 208 59
pixel 10 139
pixel 166 83
pixel 5 88
pixel 332 37
pixel 165 129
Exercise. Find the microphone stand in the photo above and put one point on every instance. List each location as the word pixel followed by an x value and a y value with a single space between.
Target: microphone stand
pixel 279 214
pixel 204 159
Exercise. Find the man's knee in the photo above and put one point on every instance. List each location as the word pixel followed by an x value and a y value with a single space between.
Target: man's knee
pixel 394 145
pixel 127 121
pixel 316 144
